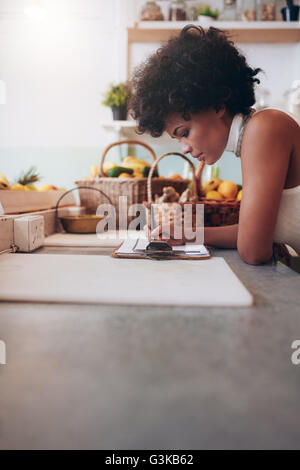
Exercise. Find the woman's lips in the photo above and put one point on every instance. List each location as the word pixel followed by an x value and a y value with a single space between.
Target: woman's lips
pixel 199 157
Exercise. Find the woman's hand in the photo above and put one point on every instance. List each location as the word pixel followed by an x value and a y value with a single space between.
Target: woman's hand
pixel 167 233
pixel 164 233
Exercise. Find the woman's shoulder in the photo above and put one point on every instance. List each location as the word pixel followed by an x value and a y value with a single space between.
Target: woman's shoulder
pixel 272 121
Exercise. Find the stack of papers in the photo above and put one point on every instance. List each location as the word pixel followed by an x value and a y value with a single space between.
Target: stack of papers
pixel 138 246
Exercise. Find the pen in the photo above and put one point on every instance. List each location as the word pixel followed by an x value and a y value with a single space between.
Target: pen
pixel 152 218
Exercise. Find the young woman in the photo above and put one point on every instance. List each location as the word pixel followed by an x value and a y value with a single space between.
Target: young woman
pixel 200 90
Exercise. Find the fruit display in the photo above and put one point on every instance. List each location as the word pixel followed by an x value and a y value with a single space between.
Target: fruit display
pixel 219 190
pixel 21 195
pixel 214 195
pixel 228 189
pixel 107 166
pixel 117 171
pixel 175 176
pixel 140 168
pixel 94 171
pixel 212 185
pixel 25 182
pixel 28 178
pixel 4 183
pixel 19 187
pixel 46 187
pixel 215 189
pixel 131 167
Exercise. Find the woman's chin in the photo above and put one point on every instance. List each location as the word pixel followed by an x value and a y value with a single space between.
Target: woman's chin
pixel 211 160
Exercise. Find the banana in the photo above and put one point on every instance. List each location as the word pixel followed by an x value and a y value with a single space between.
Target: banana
pixel 134 163
pixel 212 185
pixel 94 171
pixel 4 183
pixel 19 187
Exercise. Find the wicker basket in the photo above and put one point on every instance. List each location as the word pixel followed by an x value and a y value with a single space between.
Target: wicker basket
pixel 216 213
pixel 135 189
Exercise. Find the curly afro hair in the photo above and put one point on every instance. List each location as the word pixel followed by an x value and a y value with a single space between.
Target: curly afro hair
pixel 194 71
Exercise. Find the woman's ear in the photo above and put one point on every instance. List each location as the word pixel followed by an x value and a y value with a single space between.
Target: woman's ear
pixel 220 111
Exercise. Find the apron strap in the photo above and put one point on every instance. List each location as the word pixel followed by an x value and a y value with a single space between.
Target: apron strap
pixel 245 121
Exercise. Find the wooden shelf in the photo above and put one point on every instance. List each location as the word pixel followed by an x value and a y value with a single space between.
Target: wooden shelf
pixel 240 31
pixel 118 125
pixel 127 130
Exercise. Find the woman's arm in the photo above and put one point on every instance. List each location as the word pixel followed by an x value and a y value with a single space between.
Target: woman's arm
pixel 221 237
pixel 266 150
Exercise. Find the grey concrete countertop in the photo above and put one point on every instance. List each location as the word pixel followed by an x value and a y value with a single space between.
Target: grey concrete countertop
pixel 121 377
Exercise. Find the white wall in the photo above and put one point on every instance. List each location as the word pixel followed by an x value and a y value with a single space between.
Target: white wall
pixel 56 71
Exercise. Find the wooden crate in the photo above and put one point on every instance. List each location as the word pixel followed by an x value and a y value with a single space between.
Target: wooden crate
pixel 19 202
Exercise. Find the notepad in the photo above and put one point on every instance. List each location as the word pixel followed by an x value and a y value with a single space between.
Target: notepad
pixel 136 247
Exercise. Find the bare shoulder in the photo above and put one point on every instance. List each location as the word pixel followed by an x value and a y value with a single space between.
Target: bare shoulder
pixel 272 123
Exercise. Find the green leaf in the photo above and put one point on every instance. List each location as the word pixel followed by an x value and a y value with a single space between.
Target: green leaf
pixel 207 11
pixel 116 95
pixel 29 177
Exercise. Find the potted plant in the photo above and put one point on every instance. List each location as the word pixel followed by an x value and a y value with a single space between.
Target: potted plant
pixel 116 98
pixel 205 15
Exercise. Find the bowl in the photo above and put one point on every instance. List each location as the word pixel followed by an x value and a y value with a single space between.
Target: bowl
pixel 86 223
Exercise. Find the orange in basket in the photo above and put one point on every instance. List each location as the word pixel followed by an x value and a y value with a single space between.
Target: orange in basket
pixel 216 213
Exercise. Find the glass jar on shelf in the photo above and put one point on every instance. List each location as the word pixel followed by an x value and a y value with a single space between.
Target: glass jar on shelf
pixel 266 10
pixel 290 12
pixel 177 10
pixel 262 97
pixel 246 10
pixel 151 12
pixel 210 172
pixel 191 11
pixel 229 11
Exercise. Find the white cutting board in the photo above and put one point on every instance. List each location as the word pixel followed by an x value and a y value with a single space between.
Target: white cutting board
pixel 106 280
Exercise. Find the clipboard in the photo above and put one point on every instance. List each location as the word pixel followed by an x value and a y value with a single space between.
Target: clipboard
pixel 170 256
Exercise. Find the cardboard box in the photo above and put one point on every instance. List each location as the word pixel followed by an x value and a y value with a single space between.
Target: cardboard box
pixel 19 202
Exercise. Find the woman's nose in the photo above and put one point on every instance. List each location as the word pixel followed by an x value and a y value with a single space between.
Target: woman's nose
pixel 186 148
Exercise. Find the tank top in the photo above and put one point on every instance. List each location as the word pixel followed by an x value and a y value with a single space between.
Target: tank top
pixel 287 229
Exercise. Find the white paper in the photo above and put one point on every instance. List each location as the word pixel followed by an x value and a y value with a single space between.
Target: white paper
pixel 133 247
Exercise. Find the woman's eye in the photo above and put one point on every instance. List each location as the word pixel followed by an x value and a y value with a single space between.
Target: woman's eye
pixel 185 134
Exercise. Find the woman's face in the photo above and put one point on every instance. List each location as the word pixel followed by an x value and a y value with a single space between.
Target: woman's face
pixel 204 136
